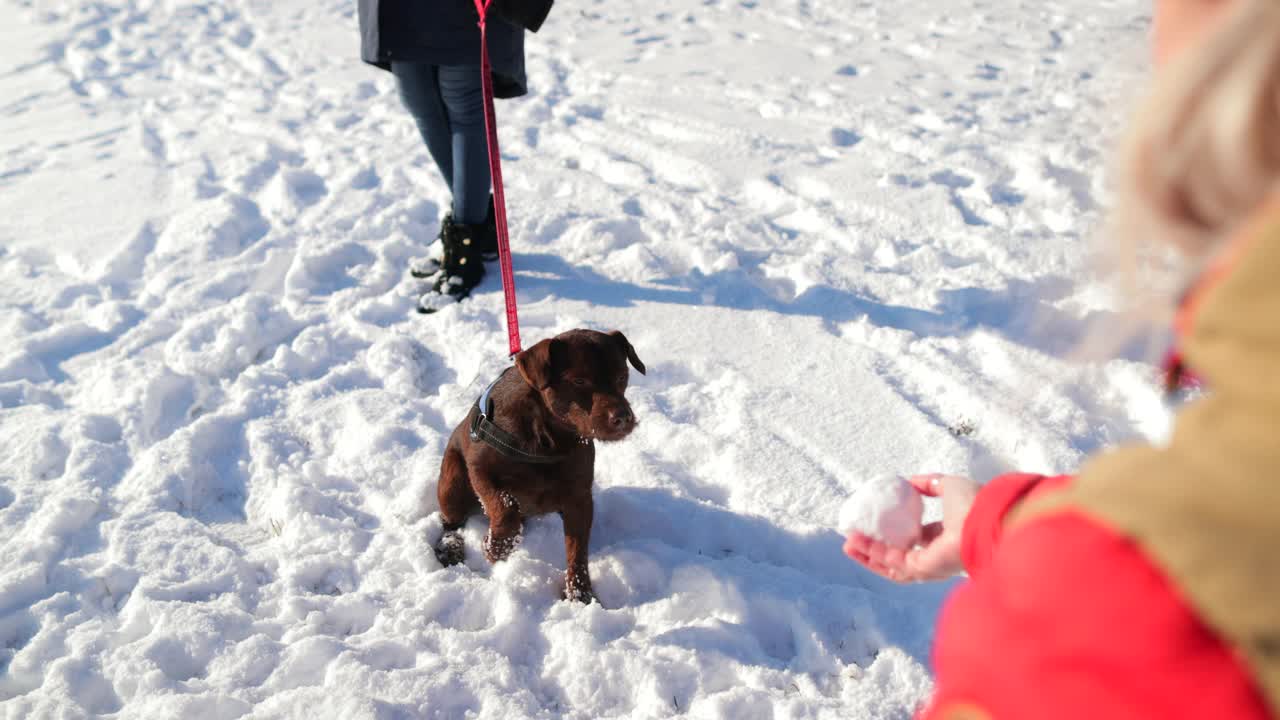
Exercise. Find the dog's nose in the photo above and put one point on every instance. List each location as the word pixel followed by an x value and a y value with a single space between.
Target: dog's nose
pixel 620 418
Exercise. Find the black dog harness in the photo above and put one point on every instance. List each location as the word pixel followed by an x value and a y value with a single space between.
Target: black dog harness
pixel 484 430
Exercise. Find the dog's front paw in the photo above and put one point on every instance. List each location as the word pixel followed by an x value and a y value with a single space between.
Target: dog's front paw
pixel 497 549
pixel 449 550
pixel 577 588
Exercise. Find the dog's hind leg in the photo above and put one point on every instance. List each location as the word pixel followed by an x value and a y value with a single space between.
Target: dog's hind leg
pixel 457 501
pixel 449 551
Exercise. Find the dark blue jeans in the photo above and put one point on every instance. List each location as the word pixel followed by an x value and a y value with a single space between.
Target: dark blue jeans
pixel 448 104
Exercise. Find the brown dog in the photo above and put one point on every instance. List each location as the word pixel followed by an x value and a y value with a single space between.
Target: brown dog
pixel 527 447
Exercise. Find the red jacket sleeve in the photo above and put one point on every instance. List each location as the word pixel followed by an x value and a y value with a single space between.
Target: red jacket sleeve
pixel 985 522
pixel 1067 619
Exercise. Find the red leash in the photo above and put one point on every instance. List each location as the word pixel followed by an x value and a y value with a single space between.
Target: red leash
pixel 499 198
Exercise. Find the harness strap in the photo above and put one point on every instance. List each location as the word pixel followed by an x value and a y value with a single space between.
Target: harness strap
pixel 482 429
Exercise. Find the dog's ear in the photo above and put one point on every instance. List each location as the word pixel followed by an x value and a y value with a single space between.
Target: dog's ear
pixel 627 350
pixel 534 364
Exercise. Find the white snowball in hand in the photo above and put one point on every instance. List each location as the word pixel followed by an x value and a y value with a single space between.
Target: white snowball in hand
pixel 885 508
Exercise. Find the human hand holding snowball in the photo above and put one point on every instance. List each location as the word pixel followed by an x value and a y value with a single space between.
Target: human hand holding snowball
pixel 885 534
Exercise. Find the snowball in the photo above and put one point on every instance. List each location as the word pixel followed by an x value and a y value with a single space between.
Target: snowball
pixel 885 508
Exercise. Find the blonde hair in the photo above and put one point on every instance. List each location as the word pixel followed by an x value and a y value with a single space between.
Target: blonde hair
pixel 1204 149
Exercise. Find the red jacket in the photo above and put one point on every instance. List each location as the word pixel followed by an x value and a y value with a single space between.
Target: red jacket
pixel 1067 619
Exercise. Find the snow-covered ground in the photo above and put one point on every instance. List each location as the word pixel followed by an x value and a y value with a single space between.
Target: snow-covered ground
pixel 848 237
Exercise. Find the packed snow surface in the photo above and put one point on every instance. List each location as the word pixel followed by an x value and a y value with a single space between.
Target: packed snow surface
pixel 886 508
pixel 848 239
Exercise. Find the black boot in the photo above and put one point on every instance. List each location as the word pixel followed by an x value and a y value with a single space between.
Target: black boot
pixel 461 267
pixel 425 267
pixel 487 236
pixel 486 241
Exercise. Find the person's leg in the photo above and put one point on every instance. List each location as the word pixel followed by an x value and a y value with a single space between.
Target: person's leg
pixel 463 100
pixel 420 92
pixel 468 236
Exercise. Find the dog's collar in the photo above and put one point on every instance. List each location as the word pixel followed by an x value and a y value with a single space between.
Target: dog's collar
pixel 484 430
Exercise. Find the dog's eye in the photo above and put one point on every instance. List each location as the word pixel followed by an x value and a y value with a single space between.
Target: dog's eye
pixel 580 382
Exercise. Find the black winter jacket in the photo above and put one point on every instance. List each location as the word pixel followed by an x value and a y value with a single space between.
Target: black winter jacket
pixel 442 32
